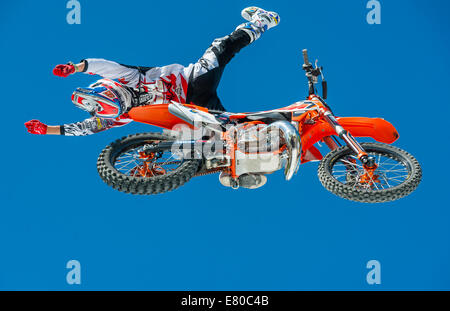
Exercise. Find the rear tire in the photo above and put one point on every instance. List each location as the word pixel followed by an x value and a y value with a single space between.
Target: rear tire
pixel 351 187
pixel 157 183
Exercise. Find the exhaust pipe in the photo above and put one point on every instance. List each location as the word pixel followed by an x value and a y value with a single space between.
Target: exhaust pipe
pixel 293 144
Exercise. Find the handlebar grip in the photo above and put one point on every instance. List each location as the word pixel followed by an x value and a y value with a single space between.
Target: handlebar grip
pixel 305 56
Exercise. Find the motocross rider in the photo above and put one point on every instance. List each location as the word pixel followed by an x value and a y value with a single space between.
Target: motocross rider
pixel 123 87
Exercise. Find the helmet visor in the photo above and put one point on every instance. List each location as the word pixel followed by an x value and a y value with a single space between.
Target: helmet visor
pixel 100 101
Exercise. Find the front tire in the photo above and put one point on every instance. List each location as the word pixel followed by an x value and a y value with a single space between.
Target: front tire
pixel 127 167
pixel 397 175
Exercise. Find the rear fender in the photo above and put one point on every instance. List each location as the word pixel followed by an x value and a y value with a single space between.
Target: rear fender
pixel 159 115
pixel 376 128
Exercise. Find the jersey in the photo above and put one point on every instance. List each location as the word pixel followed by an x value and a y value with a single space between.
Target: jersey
pixel 156 85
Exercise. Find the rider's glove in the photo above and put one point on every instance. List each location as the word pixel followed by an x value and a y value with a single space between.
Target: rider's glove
pixel 36 127
pixel 64 70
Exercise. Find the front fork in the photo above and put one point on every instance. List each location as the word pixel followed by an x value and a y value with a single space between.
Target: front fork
pixel 367 161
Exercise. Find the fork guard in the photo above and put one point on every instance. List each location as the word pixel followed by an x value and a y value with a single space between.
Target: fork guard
pixel 376 128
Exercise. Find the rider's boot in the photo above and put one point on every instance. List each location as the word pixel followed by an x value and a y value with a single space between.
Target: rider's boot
pixel 259 21
pixel 249 181
pixel 222 50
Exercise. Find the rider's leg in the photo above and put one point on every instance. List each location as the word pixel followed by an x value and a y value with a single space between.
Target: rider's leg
pixel 207 72
pixel 222 50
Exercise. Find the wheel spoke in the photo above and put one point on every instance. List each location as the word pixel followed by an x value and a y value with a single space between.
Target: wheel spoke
pixel 390 172
pixel 134 161
pixel 124 164
pixel 351 163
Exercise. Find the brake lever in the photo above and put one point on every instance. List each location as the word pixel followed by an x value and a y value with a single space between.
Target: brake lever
pixel 313 73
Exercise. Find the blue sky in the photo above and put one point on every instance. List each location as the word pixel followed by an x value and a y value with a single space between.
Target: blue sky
pixel 285 236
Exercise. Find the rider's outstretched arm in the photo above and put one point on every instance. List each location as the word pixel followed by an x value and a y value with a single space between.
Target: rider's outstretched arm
pixel 89 126
pixel 102 67
pixel 110 70
pixel 53 130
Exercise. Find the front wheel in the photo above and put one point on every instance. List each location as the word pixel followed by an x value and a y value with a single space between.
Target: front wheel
pixel 397 174
pixel 127 165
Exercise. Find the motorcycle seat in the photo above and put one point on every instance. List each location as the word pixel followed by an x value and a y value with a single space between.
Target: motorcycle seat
pixel 264 116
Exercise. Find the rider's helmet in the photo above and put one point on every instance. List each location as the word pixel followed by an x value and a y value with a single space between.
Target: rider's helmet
pixel 104 98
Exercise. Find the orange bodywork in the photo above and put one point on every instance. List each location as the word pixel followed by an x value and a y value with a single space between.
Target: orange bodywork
pixel 311 132
pixel 159 115
pixel 376 128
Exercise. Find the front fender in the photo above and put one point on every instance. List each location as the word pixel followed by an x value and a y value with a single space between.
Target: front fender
pixel 376 128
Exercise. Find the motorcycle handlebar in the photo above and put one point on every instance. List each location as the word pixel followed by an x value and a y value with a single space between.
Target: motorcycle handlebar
pixel 305 57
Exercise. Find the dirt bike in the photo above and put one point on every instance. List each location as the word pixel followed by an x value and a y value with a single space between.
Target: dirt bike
pixel 239 144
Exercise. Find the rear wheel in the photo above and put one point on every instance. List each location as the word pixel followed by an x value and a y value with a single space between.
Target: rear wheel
pixel 134 164
pixel 397 174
